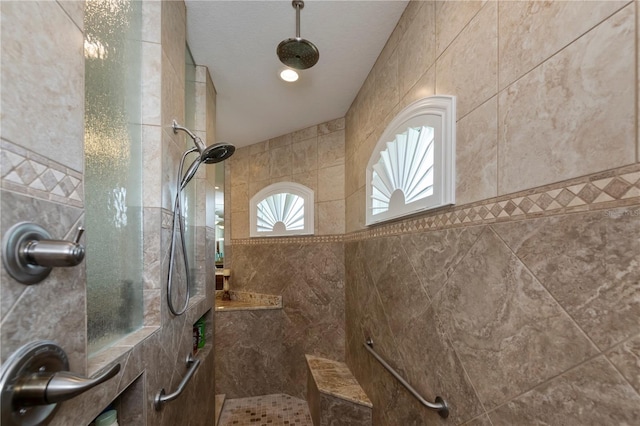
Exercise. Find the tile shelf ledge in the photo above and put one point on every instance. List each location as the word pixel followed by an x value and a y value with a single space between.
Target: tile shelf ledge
pixel 247 301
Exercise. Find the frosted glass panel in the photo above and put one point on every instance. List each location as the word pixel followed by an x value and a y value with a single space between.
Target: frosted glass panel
pixel 190 191
pixel 113 177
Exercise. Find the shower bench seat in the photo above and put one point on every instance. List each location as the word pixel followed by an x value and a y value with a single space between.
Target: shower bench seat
pixel 334 395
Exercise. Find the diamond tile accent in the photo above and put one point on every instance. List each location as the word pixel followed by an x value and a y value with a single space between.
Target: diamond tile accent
pixel 617 188
pixel 544 201
pixel 621 187
pixel 565 197
pixel 589 193
pixel 31 174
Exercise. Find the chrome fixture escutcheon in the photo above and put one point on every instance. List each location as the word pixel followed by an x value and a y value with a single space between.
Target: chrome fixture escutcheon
pixel 35 379
pixel 29 253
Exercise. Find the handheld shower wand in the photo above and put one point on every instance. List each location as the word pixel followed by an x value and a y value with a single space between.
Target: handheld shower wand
pixel 208 155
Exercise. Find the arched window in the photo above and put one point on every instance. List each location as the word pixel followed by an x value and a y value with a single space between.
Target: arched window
pixel 281 209
pixel 412 167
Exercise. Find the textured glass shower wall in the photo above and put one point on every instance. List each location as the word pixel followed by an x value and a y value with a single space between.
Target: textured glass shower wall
pixel 113 170
pixel 190 107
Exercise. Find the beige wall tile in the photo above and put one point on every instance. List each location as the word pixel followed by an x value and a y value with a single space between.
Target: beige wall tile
pixel 174 16
pixel 387 89
pixel 593 393
pixel 331 126
pixel 352 129
pixel 477 154
pixel 366 108
pixel 49 64
pixel 152 166
pixel 239 197
pixel 553 122
pixel 304 156
pixel 356 172
pixel 451 18
pixel 567 254
pixel 308 179
pixel 75 10
pixel 238 165
pixel 171 155
pixel 468 68
pixel 211 111
pixel 280 141
pixel 532 31
pixel 151 21
pixel 426 86
pixel 416 49
pixel 354 208
pixel 626 358
pixel 255 187
pixel 280 162
pixel 331 149
pixel 240 224
pixel 151 90
pixel 300 135
pixel 259 166
pixel 172 88
pixel 259 147
pixel 330 217
pixel 331 183
pixel 506 318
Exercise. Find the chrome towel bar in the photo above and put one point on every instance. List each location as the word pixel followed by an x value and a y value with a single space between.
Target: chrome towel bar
pixel 161 398
pixel 440 405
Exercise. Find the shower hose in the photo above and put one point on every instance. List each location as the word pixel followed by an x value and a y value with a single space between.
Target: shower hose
pixel 179 223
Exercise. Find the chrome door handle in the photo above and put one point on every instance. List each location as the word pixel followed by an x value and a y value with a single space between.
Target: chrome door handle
pixel 35 379
pixel 48 388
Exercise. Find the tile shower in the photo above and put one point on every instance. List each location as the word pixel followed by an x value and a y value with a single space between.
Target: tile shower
pixel 520 304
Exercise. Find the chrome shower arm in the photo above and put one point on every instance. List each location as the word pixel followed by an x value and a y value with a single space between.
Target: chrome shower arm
pixel 298 4
pixel 196 139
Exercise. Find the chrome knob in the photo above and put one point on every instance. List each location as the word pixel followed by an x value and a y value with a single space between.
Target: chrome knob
pixel 29 253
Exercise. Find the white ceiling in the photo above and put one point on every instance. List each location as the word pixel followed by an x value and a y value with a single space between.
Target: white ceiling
pixel 237 41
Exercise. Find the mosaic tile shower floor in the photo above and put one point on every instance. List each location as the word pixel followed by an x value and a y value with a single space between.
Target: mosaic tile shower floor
pixel 267 410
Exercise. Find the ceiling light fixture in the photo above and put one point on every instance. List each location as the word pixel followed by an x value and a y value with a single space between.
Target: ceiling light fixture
pixel 289 75
pixel 297 52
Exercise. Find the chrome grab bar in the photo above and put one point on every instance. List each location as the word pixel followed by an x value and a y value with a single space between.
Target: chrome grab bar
pixel 440 405
pixel 161 398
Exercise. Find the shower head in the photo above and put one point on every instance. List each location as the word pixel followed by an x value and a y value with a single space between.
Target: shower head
pixel 297 52
pixel 210 155
pixel 207 154
pixel 217 152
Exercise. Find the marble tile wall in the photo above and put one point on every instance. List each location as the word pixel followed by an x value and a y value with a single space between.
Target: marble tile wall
pixel 310 278
pixel 513 316
pixel 522 72
pixel 313 157
pixel 41 157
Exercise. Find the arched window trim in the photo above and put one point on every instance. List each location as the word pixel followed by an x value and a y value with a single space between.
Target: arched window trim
pixel 302 191
pixel 441 110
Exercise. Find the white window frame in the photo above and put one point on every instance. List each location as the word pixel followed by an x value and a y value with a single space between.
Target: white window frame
pixel 438 112
pixel 302 191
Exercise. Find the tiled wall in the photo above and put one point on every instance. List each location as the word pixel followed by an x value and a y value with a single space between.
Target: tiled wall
pixel 313 157
pixel 308 272
pixel 42 171
pixel 520 304
pixel 263 352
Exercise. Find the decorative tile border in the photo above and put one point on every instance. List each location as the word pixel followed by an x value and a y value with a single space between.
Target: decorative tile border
pixel 610 189
pixel 31 174
pixel 290 240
